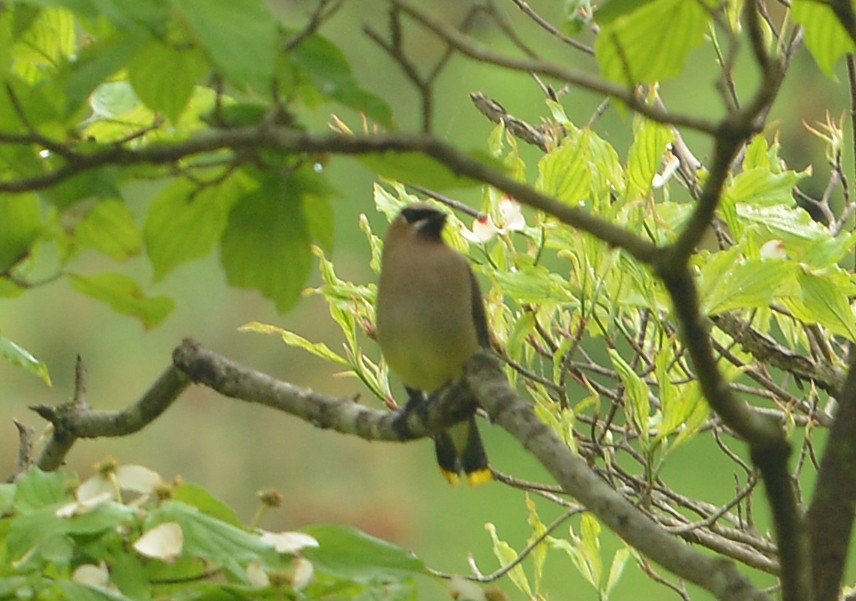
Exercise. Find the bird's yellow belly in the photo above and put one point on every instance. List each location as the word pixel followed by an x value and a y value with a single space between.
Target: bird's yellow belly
pixel 428 357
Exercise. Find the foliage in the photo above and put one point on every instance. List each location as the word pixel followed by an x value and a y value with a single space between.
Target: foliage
pixel 646 298
pixel 125 534
pixel 224 67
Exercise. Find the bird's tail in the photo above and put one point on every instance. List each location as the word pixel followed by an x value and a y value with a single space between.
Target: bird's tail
pixel 460 449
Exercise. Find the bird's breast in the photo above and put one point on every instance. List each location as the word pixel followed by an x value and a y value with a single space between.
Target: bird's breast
pixel 424 323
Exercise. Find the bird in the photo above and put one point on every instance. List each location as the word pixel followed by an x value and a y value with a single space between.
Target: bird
pixel 430 320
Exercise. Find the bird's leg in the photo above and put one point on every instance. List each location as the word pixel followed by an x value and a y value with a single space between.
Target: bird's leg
pixel 416 401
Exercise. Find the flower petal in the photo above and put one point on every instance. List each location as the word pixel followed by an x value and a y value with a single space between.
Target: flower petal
pixel 512 214
pixel 483 230
pixel 163 542
pixel 257 575
pixel 303 572
pixel 288 542
pixel 137 478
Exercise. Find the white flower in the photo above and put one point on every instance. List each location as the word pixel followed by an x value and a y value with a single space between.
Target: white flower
pixel 303 572
pixel 773 249
pixel 288 542
pixel 92 575
pixel 484 228
pixel 257 575
pixel 672 164
pixel 104 487
pixel 164 541
pixel 84 504
pixel 512 214
pixel 137 478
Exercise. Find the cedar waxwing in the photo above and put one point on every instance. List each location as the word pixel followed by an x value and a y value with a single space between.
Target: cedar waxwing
pixel 430 321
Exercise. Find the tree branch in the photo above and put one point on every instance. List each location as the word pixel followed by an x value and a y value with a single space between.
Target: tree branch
pixel 595 84
pixel 828 377
pixel 517 127
pixel 76 419
pixel 289 140
pixel 489 386
pixel 830 516
pixel 767 444
pixel 845 14
pixel 484 384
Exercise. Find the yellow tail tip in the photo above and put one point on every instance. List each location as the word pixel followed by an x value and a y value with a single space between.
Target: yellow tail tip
pixel 482 476
pixel 451 477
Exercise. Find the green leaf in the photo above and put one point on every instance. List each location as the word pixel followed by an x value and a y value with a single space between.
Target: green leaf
pixel 207 503
pixel 12 587
pixel 729 282
pixel 668 392
pixel 516 339
pixel 82 592
pixel 683 408
pixel 38 489
pixel 762 188
pixel 319 219
pixel 319 349
pixel 538 530
pixel 650 141
pixel 21 357
pixel 583 551
pixel 127 572
pixel 164 77
pixel 506 554
pixel 824 299
pixel 239 114
pixel 140 14
pixel 637 393
pixel 185 221
pixel 827 249
pixel 48 39
pixel 327 68
pixel 42 535
pixel 583 167
pixel 20 226
pixel 651 43
pixel 7 497
pixel 565 172
pixel 266 242
pixel 9 289
pixel 351 553
pixel 104 518
pixel 94 64
pixel 757 154
pixel 240 36
pixel 92 183
pixel 208 538
pixel 610 10
pixel 793 225
pixel 112 99
pixel 697 411
pixel 111 229
pixel 619 560
pixel 82 6
pixel 825 37
pixel 40 528
pixel 589 545
pixel 533 285
pixel 29 530
pixel 124 295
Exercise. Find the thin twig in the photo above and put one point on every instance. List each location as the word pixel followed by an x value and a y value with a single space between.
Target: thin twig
pixel 527 550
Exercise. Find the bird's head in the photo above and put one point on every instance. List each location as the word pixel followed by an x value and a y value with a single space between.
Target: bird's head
pixel 424 219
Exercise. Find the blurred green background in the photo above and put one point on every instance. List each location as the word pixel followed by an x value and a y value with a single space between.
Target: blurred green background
pixel 392 491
